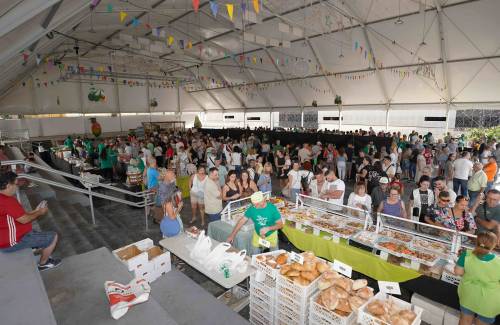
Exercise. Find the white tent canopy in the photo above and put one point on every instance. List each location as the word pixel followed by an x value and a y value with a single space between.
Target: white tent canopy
pixel 378 55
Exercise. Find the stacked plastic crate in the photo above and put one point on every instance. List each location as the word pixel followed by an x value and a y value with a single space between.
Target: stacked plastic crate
pixel 263 290
pixel 292 301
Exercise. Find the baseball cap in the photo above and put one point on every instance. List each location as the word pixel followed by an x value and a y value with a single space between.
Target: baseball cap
pixel 257 197
pixel 383 180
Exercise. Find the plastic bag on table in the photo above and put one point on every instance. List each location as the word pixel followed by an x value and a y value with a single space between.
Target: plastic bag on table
pixel 202 247
pixel 235 261
pixel 123 296
pixel 216 256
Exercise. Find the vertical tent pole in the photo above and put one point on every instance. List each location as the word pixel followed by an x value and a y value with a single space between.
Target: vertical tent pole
pixel 117 93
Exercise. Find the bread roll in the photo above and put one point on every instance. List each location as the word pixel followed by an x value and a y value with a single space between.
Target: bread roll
pixel 358 284
pixel 309 266
pixel 301 281
pixel 340 292
pixel 308 256
pixel 293 273
pixel 355 302
pixel 344 283
pixel 344 306
pixel 330 275
pixel 272 263
pixel 297 266
pixel 282 259
pixel 408 315
pixel 285 269
pixel 397 320
pixel 329 299
pixel 307 275
pixel 376 308
pixel 260 258
pixel 324 284
pixel 365 293
pixel 322 267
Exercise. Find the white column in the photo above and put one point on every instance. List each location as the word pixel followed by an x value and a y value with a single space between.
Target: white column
pixel 178 101
pixel 82 98
pixel 387 106
pixel 271 120
pixel 148 99
pixel 447 125
pixel 302 117
pixel 117 93
pixel 340 117
pixel 245 119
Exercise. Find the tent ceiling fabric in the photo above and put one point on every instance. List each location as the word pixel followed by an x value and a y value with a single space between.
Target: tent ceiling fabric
pixel 370 52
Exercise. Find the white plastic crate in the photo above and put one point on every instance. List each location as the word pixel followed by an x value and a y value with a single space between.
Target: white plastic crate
pixel 365 318
pixel 263 267
pixel 284 315
pixel 267 286
pixel 288 288
pixel 266 312
pixel 321 315
pixel 134 255
pixel 258 319
pixel 256 293
pixel 299 304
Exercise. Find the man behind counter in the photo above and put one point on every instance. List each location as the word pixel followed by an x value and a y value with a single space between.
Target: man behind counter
pixel 266 219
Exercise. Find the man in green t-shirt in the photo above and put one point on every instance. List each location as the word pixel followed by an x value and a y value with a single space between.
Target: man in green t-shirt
pixel 267 221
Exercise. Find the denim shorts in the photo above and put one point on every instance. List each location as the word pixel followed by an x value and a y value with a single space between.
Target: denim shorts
pixel 483 319
pixel 33 239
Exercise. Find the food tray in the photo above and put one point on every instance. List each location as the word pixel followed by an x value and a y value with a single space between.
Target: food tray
pixel 365 318
pixel 263 267
pixel 430 262
pixel 398 246
pixel 397 235
pixel 331 228
pixel 430 245
pixel 365 237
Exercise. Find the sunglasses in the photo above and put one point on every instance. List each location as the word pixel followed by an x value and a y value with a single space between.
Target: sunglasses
pixel 446 201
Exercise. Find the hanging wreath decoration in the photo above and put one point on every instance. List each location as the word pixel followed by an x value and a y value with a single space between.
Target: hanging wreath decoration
pixel 96 95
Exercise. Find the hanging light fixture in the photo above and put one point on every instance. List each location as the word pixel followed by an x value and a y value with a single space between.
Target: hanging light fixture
pixel 399 21
pixel 423 43
pixel 341 56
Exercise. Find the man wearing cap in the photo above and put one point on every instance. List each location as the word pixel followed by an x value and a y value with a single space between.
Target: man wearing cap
pixel 379 193
pixel 266 219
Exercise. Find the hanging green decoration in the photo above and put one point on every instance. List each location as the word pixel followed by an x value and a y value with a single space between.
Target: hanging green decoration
pixel 96 95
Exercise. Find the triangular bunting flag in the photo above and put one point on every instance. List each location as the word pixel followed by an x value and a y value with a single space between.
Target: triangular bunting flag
pixel 196 5
pixel 38 59
pixel 170 40
pixel 155 32
pixel 135 22
pixel 190 45
pixel 256 7
pixel 243 7
pixel 230 10
pixel 109 8
pixel 123 15
pixel 214 7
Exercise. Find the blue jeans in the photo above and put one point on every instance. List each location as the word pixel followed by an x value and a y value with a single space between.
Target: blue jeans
pixel 213 216
pixel 293 193
pixel 472 197
pixel 460 184
pixel 489 186
pixel 483 319
pixel 413 170
pixel 33 239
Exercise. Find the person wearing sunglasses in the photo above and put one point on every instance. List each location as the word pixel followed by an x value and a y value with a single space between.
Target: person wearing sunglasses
pixel 440 210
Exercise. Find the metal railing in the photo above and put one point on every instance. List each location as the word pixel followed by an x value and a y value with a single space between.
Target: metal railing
pixel 88 183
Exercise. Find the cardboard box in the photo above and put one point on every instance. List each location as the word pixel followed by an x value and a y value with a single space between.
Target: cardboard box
pixel 160 259
pixel 134 255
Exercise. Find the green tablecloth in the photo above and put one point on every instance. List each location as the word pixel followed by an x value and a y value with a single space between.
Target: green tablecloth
pixel 361 261
pixel 219 231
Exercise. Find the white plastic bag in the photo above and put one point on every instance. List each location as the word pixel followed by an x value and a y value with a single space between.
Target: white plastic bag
pixel 216 256
pixel 123 296
pixel 233 260
pixel 202 247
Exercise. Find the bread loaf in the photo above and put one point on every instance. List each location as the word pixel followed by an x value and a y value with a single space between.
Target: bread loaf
pixel 358 284
pixel 344 306
pixel 282 259
pixel 308 275
pixel 293 273
pixel 365 293
pixel 297 266
pixel 376 308
pixel 322 267
pixel 301 281
pixel 329 299
pixel 355 302
pixel 285 269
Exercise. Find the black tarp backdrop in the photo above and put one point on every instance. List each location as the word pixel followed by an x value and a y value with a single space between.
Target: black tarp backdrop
pixel 300 137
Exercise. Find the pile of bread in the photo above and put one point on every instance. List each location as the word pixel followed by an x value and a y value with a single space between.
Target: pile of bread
pixel 342 295
pixel 272 261
pixel 390 312
pixel 304 274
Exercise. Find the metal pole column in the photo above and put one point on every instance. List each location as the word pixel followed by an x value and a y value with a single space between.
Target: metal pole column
pixel 340 117
pixel 117 93
pixel 91 205
pixel 146 211
pixel 447 125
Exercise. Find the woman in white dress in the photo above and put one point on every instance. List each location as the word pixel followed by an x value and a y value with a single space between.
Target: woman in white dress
pixel 197 193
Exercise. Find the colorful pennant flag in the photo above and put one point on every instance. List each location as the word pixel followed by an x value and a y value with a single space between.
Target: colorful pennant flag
pixel 135 22
pixel 109 8
pixel 123 15
pixel 190 45
pixel 170 40
pixel 256 7
pixel 214 7
pixel 230 10
pixel 155 32
pixel 196 5
pixel 38 59
pixel 243 7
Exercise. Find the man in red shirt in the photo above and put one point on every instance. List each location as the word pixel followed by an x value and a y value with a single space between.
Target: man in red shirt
pixel 16 232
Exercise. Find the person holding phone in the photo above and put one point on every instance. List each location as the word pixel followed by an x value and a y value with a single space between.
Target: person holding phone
pixel 16 231
pixel 267 221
